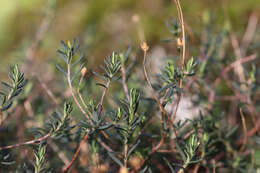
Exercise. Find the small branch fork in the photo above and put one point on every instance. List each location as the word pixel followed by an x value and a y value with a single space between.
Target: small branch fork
pixel 73 94
pixel 145 48
pixel 103 97
pixel 83 111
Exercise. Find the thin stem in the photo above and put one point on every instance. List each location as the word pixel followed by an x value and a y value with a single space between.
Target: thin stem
pixel 76 153
pixel 73 94
pixel 48 91
pixel 177 107
pixel 103 96
pixel 164 112
pixel 81 98
pixel 244 130
pixel 251 132
pixel 157 147
pixel 104 145
pixel 181 20
pixel 60 153
pixel 124 81
pixel 1 117
pixel 85 105
pixel 224 73
pixel 26 143
pixel 125 154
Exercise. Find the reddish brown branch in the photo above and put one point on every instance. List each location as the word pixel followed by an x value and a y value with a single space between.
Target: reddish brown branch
pixel 223 74
pixel 103 97
pixel 244 130
pixel 124 81
pixel 26 143
pixel 76 154
pixel 253 131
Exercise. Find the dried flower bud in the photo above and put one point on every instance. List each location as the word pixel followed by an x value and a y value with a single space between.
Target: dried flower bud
pixel 135 162
pixel 123 170
pixel 135 18
pixel 84 71
pixel 144 46
pixel 179 42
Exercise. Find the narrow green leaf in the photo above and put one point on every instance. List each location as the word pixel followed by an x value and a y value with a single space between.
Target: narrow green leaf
pixel 78 60
pixel 102 85
pixel 113 157
pixel 104 127
pixel 99 75
pixel 181 152
pixel 60 68
pixel 6 85
pixel 62 55
pixel 144 169
pixel 77 72
pixel 133 148
pixel 168 163
pixel 232 131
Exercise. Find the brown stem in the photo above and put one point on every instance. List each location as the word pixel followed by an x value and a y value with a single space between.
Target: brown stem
pixel 157 147
pixel 26 143
pixel 223 74
pixel 125 155
pixel 76 154
pixel 104 145
pixel 181 20
pixel 103 97
pixel 73 94
pixel 60 153
pixel 124 81
pixel 244 130
pixel 81 98
pixel 1 117
pixel 48 91
pixel 251 132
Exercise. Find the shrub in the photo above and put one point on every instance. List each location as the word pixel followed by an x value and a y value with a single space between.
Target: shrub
pixel 131 130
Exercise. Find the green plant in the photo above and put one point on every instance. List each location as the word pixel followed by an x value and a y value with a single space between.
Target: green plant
pixel 124 133
pixel 13 89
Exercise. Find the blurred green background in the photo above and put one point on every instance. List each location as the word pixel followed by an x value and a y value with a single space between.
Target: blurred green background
pixel 103 25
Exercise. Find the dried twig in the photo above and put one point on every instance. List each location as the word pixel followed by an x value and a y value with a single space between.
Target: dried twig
pixel 249 34
pixel 103 96
pixel 83 73
pixel 76 153
pixel 124 81
pixel 73 94
pixel 244 130
pixel 60 153
pixel 48 91
pixel 183 43
pixel 35 141
pixel 223 74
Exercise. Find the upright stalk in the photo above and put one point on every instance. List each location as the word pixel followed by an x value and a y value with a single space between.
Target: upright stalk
pixel 73 94
pixel 183 44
